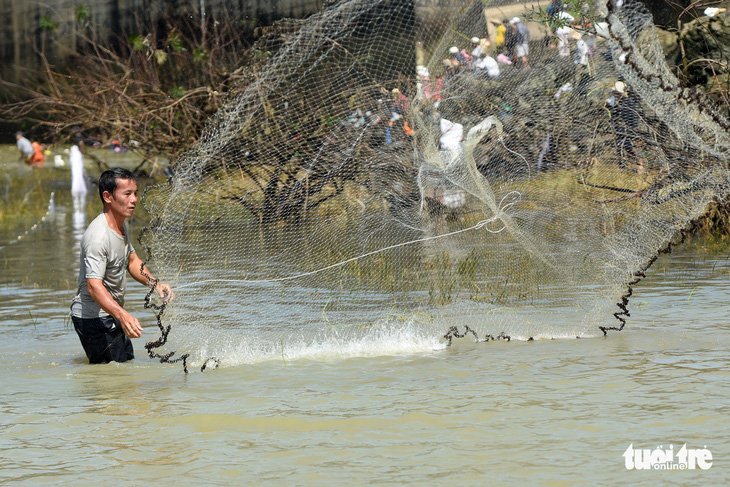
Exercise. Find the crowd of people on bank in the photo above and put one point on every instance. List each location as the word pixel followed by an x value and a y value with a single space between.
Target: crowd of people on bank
pixel 511 41
pixel 487 57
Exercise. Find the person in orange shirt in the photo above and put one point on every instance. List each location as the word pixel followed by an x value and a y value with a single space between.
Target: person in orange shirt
pixel 37 159
pixel 407 128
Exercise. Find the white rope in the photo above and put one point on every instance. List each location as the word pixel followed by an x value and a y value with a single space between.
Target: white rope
pixel 501 140
pixel 502 208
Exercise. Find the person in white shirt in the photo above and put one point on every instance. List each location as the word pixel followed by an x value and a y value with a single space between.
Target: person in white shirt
pixel 563 33
pixel 24 146
pixel 489 64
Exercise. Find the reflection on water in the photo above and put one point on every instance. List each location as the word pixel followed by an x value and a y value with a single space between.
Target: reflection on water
pixel 373 403
pixel 78 219
pixel 78 193
pixel 78 178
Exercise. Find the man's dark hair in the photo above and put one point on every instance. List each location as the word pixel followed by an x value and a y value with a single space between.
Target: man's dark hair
pixel 108 180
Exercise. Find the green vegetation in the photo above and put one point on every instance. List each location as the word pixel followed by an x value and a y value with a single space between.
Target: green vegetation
pixel 46 23
pixel 24 197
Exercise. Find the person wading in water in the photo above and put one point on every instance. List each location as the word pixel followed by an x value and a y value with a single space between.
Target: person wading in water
pixel 97 311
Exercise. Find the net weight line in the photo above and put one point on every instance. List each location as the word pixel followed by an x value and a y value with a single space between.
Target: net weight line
pixel 639 275
pixel 453 332
pixel 159 310
pixel 621 315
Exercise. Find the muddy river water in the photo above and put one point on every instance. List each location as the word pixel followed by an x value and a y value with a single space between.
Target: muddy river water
pixel 549 412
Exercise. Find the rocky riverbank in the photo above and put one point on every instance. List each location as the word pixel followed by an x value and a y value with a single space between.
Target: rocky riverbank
pixel 698 51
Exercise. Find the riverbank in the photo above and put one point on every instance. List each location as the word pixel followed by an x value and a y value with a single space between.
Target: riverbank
pixel 26 192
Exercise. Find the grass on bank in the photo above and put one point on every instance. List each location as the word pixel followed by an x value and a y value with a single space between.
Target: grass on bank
pixel 24 196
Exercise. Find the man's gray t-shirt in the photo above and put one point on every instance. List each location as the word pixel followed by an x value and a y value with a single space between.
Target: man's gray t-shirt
pixel 25 146
pixel 104 255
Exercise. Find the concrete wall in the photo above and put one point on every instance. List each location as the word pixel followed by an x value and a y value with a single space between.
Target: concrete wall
pixel 21 37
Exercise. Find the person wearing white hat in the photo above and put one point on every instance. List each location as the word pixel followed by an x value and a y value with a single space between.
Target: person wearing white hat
pixel 522 43
pixel 712 11
pixel 455 61
pixel 477 51
pixel 563 33
pixel 625 120
pixel 581 50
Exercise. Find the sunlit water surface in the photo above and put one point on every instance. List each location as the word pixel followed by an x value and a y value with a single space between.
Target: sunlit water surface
pixel 548 412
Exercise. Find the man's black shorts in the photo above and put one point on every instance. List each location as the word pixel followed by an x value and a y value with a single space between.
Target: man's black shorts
pixel 103 340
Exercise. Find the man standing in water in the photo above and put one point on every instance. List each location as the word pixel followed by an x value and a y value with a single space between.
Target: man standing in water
pixel 24 146
pixel 103 325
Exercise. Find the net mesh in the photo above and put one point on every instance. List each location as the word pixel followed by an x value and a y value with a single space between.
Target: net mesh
pixel 371 188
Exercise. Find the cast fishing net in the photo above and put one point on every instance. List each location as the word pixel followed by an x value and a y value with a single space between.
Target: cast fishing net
pixel 370 189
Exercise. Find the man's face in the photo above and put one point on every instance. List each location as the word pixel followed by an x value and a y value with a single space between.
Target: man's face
pixel 124 200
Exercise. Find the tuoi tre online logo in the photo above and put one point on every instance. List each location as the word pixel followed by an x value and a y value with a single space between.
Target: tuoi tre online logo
pixel 667 459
